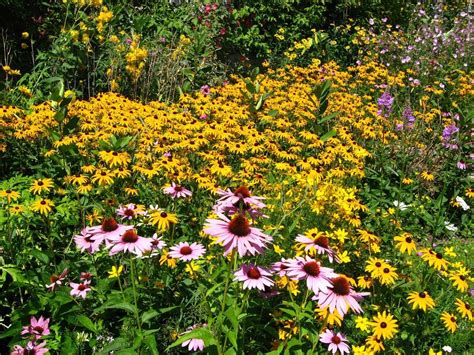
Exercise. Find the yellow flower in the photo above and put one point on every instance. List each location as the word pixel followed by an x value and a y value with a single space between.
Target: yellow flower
pixel 362 323
pixel 115 271
pixel 361 350
pixel 344 257
pixel 25 35
pixel 11 195
pixel 192 268
pixel 388 275
pixel 169 260
pixel 41 185
pixel 384 325
pixel 421 300
pixel 464 308
pixel 278 250
pixel 405 244
pixel 449 321
pixel 103 177
pixel 427 176
pixel 459 282
pixel 162 219
pixel 16 209
pixel 43 206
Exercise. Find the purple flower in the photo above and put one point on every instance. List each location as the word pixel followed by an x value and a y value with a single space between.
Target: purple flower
pixel 385 103
pixel 254 277
pixel 205 90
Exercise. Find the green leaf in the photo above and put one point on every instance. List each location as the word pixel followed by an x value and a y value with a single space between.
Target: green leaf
pixel 150 341
pixel 148 315
pixel 328 135
pixel 86 323
pixel 273 113
pixel 38 254
pixel 116 344
pixel 122 305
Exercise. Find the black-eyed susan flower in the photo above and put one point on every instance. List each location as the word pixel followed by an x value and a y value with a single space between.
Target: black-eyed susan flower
pixel 10 195
pixel 421 300
pixel 464 308
pixel 103 177
pixel 374 344
pixel 459 281
pixel 43 206
pixel 375 266
pixel 162 219
pixel 364 281
pixel 405 243
pixel 388 275
pixel 41 185
pixel 384 325
pixel 449 321
pixel 16 209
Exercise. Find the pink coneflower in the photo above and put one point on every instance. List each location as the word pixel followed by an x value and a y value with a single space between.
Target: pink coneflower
pixel 237 234
pixel 80 289
pixel 254 277
pixel 129 211
pixel 185 252
pixel 177 191
pixel 205 90
pixel 85 242
pixel 337 342
pixel 243 194
pixel 194 344
pixel 85 276
pixel 320 243
pixel 157 243
pixel 461 165
pixel 280 267
pixel 56 280
pixel 129 241
pixel 38 327
pixel 341 296
pixel 317 277
pixel 30 349
pixel 109 229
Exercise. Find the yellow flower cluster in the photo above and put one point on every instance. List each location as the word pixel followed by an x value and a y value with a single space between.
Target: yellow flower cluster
pixel 135 58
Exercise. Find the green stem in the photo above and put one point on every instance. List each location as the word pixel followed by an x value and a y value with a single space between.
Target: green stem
pixel 132 271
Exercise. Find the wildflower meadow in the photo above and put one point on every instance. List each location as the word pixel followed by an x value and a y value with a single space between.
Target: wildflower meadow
pixel 236 177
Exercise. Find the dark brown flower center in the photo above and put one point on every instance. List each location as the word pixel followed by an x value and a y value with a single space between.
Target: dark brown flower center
pixel 408 239
pixel 43 202
pixel 253 273
pixel 383 325
pixel 336 340
pixel 242 190
pixel 340 286
pixel 378 264
pixel 81 287
pixel 109 224
pixel 439 256
pixel 452 319
pixel 322 242
pixel 129 212
pixel 163 214
pixel 239 226
pixel 462 277
pixel 130 236
pixel 386 270
pixel 38 329
pixel 178 188
pixel 185 250
pixel 40 183
pixel 422 295
pixel 312 268
pixel 467 306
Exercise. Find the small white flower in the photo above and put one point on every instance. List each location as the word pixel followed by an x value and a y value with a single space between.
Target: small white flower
pixel 450 227
pixel 462 203
pixel 447 348
pixel 400 205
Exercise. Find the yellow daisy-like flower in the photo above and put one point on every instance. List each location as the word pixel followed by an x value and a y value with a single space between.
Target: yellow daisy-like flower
pixel 433 352
pixel 192 269
pixel 16 209
pixel 388 275
pixel 464 308
pixel 407 181
pixel 361 350
pixel 41 185
pixel 162 219
pixel 169 260
pixel 470 193
pixel 362 323
pixel 115 271
pixel 103 177
pixel 427 176
pixel 421 300
pixel 11 195
pixel 405 244
pixel 459 282
pixel 331 318
pixel 131 192
pixel 43 206
pixel 374 344
pixel 449 321
pixel 364 281
pixel 375 266
pixel 384 325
